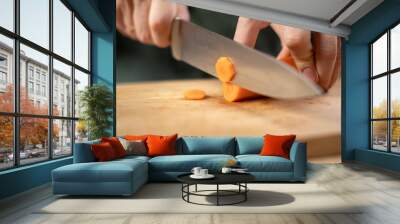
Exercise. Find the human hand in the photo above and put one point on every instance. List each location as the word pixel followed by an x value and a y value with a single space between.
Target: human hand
pixel 316 55
pixel 148 21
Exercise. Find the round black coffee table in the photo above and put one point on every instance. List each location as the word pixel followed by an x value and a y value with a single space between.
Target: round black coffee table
pixel 238 179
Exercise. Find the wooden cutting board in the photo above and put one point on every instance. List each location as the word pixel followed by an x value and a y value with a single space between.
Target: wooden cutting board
pixel 159 108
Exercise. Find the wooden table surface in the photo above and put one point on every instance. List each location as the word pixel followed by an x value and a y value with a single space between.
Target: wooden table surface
pixel 159 108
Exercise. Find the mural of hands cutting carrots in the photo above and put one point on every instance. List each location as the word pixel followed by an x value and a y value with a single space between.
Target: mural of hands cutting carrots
pixel 315 55
pixel 156 91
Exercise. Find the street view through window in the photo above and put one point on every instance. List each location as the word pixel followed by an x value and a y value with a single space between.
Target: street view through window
pixel 41 77
pixel 385 91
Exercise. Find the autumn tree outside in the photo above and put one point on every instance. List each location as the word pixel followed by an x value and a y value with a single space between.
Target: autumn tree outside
pixel 33 132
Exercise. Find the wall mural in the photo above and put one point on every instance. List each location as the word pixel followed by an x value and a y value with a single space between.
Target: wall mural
pixel 220 88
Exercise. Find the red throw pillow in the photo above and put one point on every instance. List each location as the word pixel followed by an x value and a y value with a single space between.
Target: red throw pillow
pixel 161 145
pixel 103 152
pixel 277 145
pixel 136 137
pixel 116 145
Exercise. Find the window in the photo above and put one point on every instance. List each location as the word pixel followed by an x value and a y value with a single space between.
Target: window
pixel 30 88
pixel 62 74
pixel 35 21
pixel 7 73
pixel 37 90
pixel 43 124
pixel 3 72
pixel 62 31
pixel 385 94
pixel 81 81
pixel 3 78
pixel 7 14
pixel 30 72
pixel 33 140
pixel 62 138
pixel 3 61
pixel 37 74
pixel 6 142
pixel 81 45
pixel 44 91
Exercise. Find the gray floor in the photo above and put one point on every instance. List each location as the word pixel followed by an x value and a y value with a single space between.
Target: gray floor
pixel 379 189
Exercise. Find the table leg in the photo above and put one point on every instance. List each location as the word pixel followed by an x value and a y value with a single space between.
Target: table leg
pixel 188 190
pixel 195 188
pixel 245 193
pixel 217 194
pixel 182 188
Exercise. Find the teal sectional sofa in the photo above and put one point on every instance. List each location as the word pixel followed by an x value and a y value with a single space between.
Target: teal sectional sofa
pixel 125 176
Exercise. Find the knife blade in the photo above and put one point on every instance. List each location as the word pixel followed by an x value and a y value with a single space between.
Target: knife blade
pixel 255 71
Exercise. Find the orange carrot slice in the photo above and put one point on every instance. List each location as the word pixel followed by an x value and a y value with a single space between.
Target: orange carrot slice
pixel 235 93
pixel 288 60
pixel 225 69
pixel 194 94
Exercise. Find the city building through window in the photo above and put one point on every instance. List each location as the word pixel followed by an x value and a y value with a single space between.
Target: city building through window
pixel 40 124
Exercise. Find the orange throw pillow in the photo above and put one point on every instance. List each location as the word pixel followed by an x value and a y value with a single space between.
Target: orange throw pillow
pixel 116 145
pixel 161 145
pixel 277 145
pixel 103 152
pixel 136 137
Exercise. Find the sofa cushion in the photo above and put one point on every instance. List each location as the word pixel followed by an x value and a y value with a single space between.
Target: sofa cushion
pixel 249 145
pixel 136 137
pixel 159 145
pixel 257 163
pixel 116 145
pixel 277 145
pixel 112 171
pixel 185 163
pixel 134 147
pixel 103 152
pixel 206 145
pixel 83 152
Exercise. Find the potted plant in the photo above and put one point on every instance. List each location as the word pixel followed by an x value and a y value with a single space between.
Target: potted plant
pixel 96 102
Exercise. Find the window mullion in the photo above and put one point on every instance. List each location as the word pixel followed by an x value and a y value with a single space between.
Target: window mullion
pixel 389 101
pixel 50 81
pixel 73 82
pixel 16 69
pixel 371 140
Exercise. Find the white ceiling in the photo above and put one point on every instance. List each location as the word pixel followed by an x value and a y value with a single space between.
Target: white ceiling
pixel 327 16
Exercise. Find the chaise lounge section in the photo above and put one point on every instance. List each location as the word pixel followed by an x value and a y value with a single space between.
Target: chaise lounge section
pixel 125 176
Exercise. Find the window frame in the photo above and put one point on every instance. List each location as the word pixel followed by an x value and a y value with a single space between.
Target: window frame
pixel 388 74
pixel 16 114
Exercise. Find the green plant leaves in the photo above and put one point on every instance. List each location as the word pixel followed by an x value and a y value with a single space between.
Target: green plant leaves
pixel 97 103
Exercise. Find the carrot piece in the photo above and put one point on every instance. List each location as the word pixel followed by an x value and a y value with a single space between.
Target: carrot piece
pixel 235 93
pixel 225 69
pixel 288 60
pixel 194 94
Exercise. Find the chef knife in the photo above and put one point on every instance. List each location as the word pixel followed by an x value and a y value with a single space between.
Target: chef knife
pixel 255 71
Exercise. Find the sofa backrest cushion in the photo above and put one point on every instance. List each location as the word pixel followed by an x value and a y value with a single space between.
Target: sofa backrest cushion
pixel 249 145
pixel 83 152
pixel 206 145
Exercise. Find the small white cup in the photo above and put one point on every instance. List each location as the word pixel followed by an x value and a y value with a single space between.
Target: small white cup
pixel 196 171
pixel 226 170
pixel 203 172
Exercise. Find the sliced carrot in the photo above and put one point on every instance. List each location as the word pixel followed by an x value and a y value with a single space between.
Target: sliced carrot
pixel 194 94
pixel 288 60
pixel 235 93
pixel 225 69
